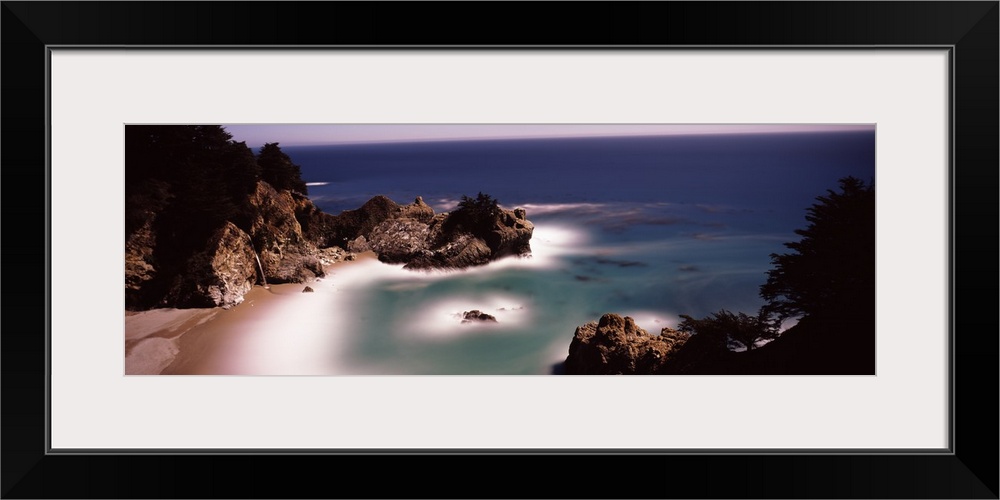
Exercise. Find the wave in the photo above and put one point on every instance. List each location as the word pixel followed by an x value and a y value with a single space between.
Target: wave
pixel 562 208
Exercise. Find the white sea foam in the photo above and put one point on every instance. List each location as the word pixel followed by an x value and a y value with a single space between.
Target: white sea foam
pixel 443 318
pixel 307 334
pixel 548 242
pixel 444 205
pixel 556 208
pixel 313 334
pixel 652 321
pixel 317 183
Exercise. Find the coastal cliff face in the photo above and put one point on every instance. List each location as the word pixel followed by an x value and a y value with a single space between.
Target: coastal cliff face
pixel 219 275
pixel 226 267
pixel 616 346
pixel 140 264
pixel 286 254
pixel 294 239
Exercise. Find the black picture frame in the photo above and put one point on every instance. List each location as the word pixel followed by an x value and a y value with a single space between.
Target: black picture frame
pixel 970 29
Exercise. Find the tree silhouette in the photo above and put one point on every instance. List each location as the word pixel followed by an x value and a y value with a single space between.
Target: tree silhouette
pixel 831 270
pixel 475 215
pixel 481 209
pixel 192 176
pixel 725 326
pixel 278 170
pixel 827 281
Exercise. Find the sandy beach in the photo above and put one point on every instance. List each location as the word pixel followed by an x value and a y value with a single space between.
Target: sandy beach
pixel 217 341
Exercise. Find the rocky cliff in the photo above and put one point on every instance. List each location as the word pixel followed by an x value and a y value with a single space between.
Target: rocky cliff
pixel 286 253
pixel 294 239
pixel 226 266
pixel 217 276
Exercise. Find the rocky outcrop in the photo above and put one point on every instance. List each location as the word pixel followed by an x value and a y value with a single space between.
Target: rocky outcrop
pixel 510 234
pixel 225 268
pixel 352 224
pixel 140 266
pixel 434 243
pixel 294 240
pixel 358 245
pixel 316 226
pixel 616 346
pixel 286 255
pixel 398 240
pixel 815 346
pixel 144 203
pixel 417 237
pixel 218 276
pixel 477 316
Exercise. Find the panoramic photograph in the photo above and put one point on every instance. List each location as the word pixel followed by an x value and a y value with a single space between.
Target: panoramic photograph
pixel 500 249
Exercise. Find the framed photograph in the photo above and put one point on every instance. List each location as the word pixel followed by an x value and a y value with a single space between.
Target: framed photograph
pixel 345 246
pixel 603 240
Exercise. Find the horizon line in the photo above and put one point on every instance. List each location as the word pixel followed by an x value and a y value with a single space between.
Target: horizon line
pixel 595 136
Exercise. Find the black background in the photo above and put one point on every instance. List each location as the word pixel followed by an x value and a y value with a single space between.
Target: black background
pixel 971 472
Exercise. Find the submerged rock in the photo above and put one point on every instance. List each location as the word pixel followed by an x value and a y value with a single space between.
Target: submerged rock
pixel 307 289
pixel 477 316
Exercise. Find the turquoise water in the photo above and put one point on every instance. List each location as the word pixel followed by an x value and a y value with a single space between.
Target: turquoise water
pixel 650 228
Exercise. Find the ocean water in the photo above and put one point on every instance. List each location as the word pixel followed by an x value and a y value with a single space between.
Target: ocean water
pixel 650 227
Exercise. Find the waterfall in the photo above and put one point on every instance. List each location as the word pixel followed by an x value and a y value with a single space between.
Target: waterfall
pixel 259 266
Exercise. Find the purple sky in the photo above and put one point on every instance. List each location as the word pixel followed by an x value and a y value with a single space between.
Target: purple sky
pixel 302 135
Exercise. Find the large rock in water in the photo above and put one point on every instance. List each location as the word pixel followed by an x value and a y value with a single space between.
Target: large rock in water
pixel 616 346
pixel 343 229
pixel 477 316
pixel 433 243
pixel 218 276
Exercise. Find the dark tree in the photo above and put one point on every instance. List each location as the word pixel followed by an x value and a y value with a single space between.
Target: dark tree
pixel 831 270
pixel 169 152
pixel 478 211
pixel 827 281
pixel 475 215
pixel 724 326
pixel 278 170
pixel 240 169
pixel 194 177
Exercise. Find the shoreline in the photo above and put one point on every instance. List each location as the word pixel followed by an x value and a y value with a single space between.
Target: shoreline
pixel 194 341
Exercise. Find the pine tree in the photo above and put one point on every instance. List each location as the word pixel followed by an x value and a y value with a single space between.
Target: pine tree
pixel 831 270
pixel 278 170
pixel 725 326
